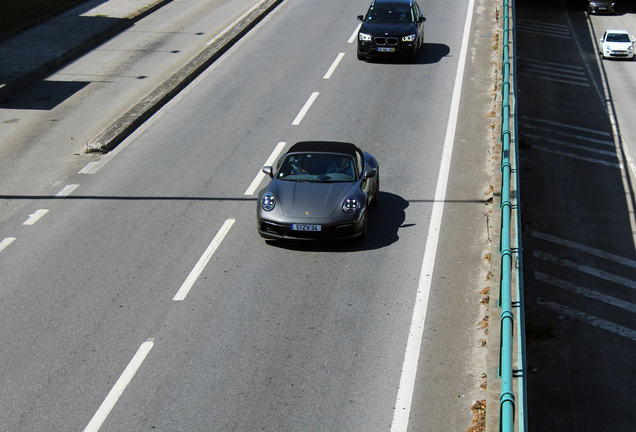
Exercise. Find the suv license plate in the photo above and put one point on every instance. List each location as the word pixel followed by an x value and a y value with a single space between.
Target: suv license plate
pixel 381 49
pixel 304 227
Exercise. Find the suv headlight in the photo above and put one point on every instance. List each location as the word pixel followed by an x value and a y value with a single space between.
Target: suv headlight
pixel 364 37
pixel 409 38
pixel 268 201
pixel 350 205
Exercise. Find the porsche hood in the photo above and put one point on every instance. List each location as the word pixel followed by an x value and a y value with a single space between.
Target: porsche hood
pixel 310 200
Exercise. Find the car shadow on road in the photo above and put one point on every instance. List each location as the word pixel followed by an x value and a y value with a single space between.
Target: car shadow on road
pixel 429 53
pixel 384 224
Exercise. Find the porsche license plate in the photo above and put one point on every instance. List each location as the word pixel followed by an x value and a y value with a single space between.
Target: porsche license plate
pixel 384 49
pixel 305 227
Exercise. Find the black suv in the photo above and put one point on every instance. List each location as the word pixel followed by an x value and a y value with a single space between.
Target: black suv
pixel 390 28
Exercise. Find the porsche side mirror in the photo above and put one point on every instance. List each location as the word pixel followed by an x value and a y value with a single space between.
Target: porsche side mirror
pixel 370 172
pixel 269 171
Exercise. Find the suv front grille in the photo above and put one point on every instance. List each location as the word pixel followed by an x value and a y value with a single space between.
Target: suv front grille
pixel 386 41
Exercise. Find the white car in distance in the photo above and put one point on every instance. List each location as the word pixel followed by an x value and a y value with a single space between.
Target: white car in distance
pixel 617 44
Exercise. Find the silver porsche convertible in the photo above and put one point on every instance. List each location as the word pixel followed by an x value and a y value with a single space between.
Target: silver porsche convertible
pixel 319 190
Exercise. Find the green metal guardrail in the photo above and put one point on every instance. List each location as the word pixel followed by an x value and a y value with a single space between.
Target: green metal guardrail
pixel 509 248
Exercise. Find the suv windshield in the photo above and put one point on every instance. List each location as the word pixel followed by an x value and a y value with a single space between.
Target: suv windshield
pixel 390 14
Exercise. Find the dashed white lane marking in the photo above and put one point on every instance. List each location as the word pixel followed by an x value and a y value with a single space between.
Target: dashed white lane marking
pixel 587 249
pixel 203 261
pixel 68 189
pixel 402 410
pixel 355 34
pixel 568 135
pixel 119 387
pixel 261 175
pixel 90 168
pixel 543 28
pixel 569 144
pixel 582 129
pixel 586 269
pixel 583 84
pixel 6 242
pixel 589 319
pixel 613 301
pixel 35 217
pixel 334 65
pixel 575 156
pixel 305 108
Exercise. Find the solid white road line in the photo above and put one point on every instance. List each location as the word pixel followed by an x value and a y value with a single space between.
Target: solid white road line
pixel 261 175
pixel 35 217
pixel 334 65
pixel 68 189
pixel 305 108
pixel 6 242
pixel 203 261
pixel 119 387
pixel 404 398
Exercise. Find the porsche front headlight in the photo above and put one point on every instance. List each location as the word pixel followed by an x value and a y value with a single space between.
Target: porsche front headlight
pixel 268 201
pixel 350 205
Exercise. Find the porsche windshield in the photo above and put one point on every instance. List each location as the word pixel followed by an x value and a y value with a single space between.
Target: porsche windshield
pixel 318 167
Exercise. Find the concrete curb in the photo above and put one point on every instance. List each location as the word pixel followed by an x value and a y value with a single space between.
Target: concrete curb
pixel 14 85
pixel 110 137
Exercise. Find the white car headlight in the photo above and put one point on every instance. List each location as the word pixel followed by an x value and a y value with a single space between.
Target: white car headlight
pixel 350 205
pixel 364 37
pixel 409 38
pixel 268 201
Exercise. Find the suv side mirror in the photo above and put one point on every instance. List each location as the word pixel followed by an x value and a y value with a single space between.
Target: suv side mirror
pixel 360 17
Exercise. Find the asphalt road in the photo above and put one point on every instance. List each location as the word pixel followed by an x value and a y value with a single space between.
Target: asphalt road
pixel 269 336
pixel 577 135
